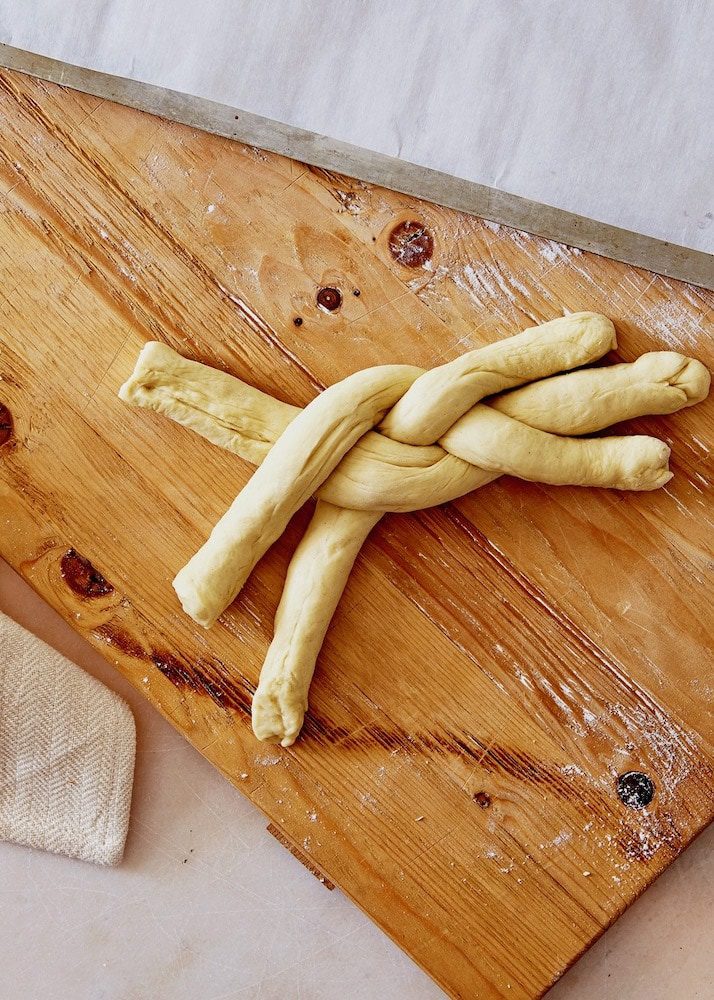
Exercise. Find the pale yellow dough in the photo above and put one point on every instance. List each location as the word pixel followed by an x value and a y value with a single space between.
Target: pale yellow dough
pixel 436 441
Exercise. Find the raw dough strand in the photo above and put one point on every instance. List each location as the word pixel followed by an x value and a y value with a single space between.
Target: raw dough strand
pixel 440 396
pixel 380 474
pixel 315 442
pixel 498 443
pixel 296 466
pixel 230 413
pixel 315 580
pixel 512 432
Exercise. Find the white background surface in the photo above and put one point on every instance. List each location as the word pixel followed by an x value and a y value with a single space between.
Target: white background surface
pixel 601 107
pixel 241 919
pixel 206 905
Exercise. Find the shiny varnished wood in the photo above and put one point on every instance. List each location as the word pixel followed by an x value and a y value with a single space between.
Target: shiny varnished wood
pixel 494 665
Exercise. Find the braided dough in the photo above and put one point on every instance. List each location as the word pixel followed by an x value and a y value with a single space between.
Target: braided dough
pixel 435 442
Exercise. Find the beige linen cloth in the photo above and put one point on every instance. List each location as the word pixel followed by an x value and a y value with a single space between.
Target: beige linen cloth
pixel 67 746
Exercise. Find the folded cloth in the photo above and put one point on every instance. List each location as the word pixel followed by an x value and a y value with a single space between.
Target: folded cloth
pixel 67 746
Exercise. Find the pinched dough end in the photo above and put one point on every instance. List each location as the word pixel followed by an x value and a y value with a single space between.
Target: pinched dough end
pixel 153 357
pixel 648 464
pixel 693 379
pixel 277 715
pixel 687 378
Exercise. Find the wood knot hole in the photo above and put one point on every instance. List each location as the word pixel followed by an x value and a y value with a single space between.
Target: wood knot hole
pixel 411 244
pixel 81 577
pixel 635 789
pixel 329 299
pixel 5 424
pixel 482 799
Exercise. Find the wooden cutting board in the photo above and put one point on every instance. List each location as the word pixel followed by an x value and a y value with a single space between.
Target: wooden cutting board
pixel 495 664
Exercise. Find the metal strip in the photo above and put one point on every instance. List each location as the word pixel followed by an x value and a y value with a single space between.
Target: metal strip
pixel 665 258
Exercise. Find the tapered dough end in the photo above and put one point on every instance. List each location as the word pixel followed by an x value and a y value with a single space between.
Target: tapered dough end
pixel 190 598
pixel 596 324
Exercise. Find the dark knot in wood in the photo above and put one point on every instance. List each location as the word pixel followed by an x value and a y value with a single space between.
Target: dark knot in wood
pixel 329 299
pixel 5 424
pixel 81 577
pixel 411 244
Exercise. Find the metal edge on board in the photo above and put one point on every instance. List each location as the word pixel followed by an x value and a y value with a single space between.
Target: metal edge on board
pixel 664 258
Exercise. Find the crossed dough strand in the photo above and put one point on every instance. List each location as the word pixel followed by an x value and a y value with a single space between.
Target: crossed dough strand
pixel 380 474
pixel 322 562
pixel 374 474
pixel 315 442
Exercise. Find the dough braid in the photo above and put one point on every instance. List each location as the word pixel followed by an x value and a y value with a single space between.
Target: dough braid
pixel 435 441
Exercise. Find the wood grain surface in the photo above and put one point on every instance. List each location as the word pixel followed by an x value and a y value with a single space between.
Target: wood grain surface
pixel 495 664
